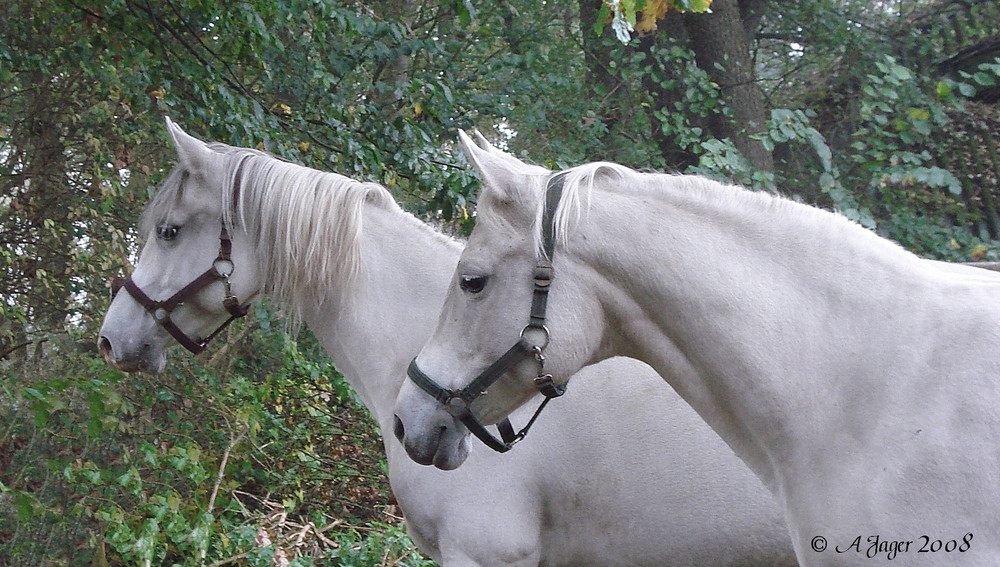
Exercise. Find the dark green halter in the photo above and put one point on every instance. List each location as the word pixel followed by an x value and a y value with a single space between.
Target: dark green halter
pixel 457 402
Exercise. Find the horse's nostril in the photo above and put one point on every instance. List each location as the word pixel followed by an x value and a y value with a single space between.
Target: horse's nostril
pixel 104 347
pixel 397 427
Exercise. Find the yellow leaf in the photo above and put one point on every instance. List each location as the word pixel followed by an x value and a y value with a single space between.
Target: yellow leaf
pixel 654 10
pixel 281 109
pixel 304 147
pixel 978 252
pixel 418 109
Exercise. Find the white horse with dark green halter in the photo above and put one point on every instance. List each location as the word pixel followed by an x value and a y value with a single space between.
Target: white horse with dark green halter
pixel 601 483
pixel 859 382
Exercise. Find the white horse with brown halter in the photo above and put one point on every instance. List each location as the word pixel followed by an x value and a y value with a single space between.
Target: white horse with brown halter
pixel 859 382
pixel 600 485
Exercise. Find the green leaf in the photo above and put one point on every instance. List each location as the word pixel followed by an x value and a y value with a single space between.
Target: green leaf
pixel 942 90
pixel 602 18
pixel 699 5
pixel 26 505
pixel 984 79
pixel 901 73
pixel 923 127
pixel 145 544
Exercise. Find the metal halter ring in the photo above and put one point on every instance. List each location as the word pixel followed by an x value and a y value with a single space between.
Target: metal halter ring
pixel 542 328
pixel 457 406
pixel 225 262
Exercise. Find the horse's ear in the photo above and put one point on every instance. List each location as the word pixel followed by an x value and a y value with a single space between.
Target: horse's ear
pixel 193 154
pixel 483 142
pixel 504 176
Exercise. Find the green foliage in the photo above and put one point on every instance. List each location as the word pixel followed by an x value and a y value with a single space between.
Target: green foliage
pixel 906 144
pixel 624 14
pixel 672 67
pixel 896 120
pixel 901 152
pixel 189 467
pixel 383 544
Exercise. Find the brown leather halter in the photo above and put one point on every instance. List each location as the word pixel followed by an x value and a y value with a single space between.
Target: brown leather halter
pixel 457 401
pixel 222 267
pixel 220 271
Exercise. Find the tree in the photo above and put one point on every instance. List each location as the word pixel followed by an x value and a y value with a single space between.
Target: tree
pixel 722 49
pixel 60 155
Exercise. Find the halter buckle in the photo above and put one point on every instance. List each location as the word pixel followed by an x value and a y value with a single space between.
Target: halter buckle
pixel 539 357
pixel 542 274
pixel 548 388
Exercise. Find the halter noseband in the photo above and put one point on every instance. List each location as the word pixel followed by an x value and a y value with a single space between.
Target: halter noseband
pixel 457 402
pixel 222 267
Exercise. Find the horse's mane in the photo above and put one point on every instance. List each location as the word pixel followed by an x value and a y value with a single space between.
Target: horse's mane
pixel 695 191
pixel 304 224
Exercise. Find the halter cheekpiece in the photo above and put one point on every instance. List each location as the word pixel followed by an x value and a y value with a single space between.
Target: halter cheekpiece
pixel 457 402
pixel 220 271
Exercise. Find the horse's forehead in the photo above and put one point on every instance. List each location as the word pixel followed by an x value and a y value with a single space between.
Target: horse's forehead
pixel 517 212
pixel 187 211
pixel 494 243
pixel 182 193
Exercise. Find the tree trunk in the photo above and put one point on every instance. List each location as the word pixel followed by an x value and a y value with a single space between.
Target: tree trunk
pixel 722 50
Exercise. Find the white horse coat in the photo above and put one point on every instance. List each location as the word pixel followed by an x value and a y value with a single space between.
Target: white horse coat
pixel 860 383
pixel 599 483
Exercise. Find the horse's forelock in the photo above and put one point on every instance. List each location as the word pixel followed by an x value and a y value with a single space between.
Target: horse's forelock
pixel 163 201
pixel 172 189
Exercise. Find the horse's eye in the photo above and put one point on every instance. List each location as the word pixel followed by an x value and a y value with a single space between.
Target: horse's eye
pixel 472 284
pixel 167 231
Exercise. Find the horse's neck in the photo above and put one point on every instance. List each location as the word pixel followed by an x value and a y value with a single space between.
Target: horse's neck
pixel 756 323
pixel 392 311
